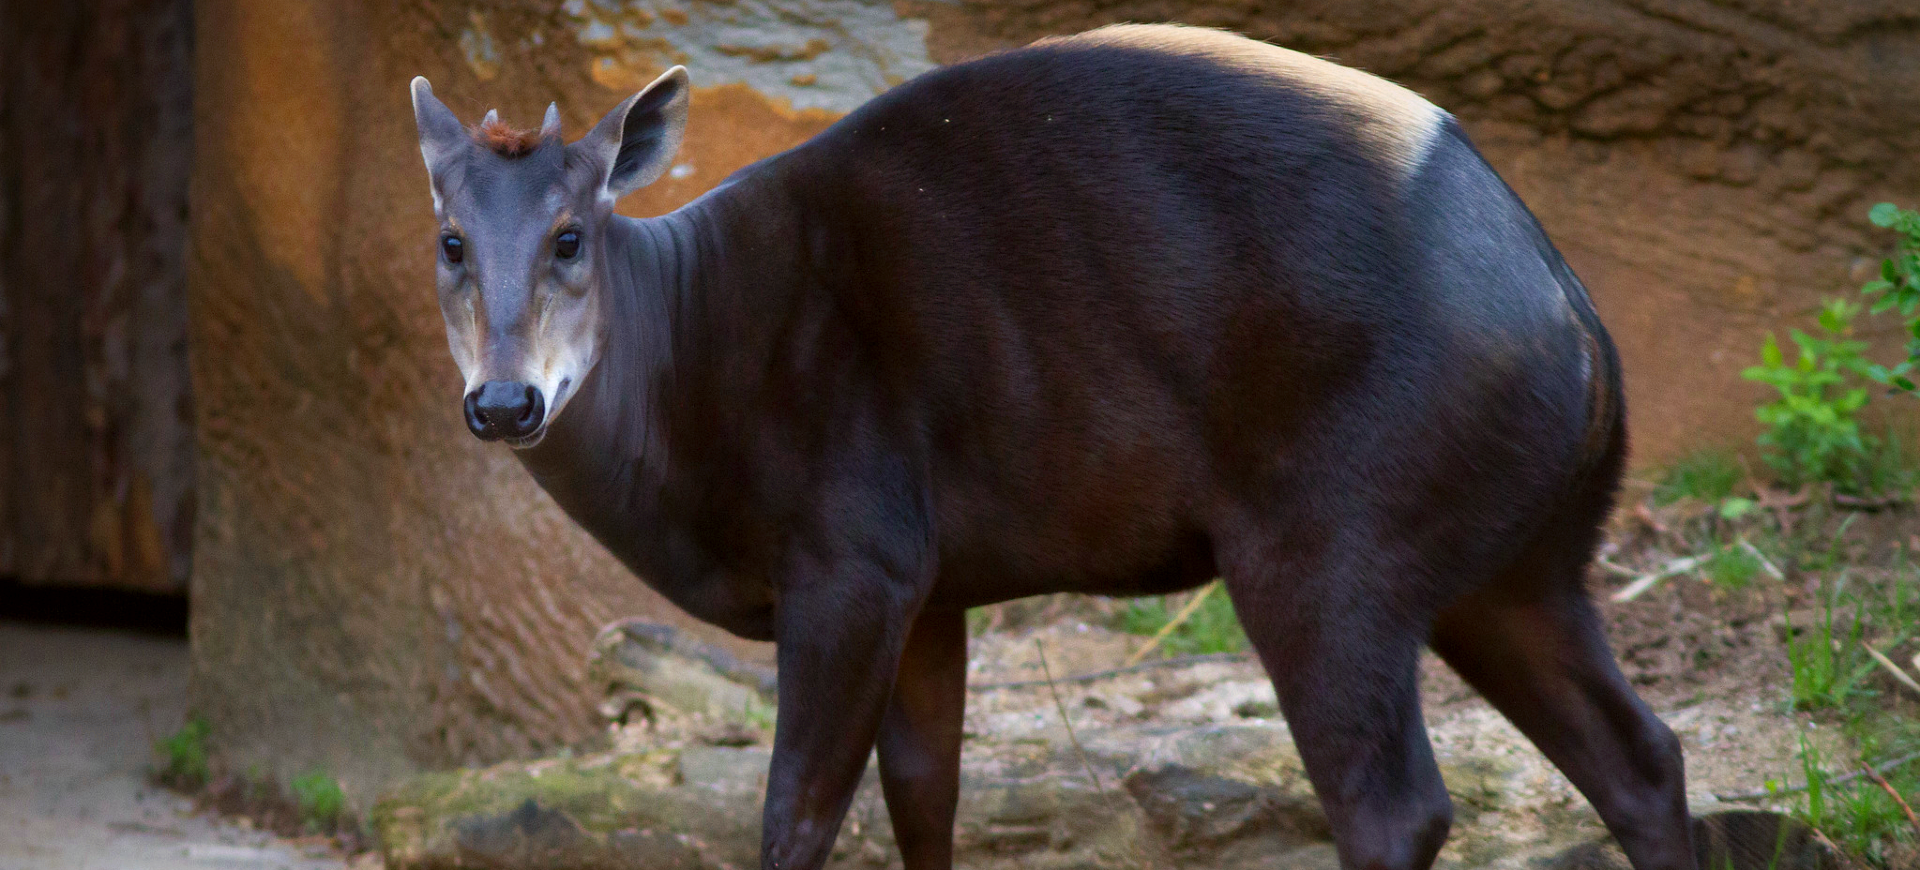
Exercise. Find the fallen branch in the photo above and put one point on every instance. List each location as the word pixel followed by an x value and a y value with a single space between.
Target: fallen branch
pixel 1883 769
pixel 1062 707
pixel 1895 793
pixel 1611 567
pixel 1185 613
pixel 1891 668
pixel 1639 587
pixel 1777 499
pixel 1095 676
pixel 1869 504
pixel 1641 513
pixel 1766 563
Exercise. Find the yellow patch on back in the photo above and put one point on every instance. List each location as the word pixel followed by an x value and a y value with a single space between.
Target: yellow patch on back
pixel 1397 122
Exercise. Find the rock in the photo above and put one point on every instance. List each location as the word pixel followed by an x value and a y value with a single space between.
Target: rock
pixel 725 769
pixel 610 811
pixel 1226 797
pixel 533 837
pixel 1196 814
pixel 1733 840
pixel 659 670
pixel 1230 796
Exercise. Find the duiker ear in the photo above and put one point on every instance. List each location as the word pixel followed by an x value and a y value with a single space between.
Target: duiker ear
pixel 440 132
pixel 637 141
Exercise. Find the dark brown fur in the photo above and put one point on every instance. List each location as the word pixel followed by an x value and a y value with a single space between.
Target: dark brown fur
pixel 1110 315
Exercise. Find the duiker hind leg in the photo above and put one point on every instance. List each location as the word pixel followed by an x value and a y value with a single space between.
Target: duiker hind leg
pixel 1344 666
pixel 919 740
pixel 1532 644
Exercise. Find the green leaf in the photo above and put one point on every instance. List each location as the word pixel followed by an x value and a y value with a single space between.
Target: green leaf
pixel 1884 214
pixel 1770 351
pixel 1735 508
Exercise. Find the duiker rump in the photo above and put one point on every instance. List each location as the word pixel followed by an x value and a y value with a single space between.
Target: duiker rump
pixel 1114 314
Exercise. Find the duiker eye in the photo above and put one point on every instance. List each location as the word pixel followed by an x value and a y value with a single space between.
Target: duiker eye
pixel 566 245
pixel 453 248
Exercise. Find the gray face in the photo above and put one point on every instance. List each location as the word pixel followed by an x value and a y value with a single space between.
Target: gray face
pixel 521 264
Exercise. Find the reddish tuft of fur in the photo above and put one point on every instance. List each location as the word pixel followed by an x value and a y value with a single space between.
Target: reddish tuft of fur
pixel 496 136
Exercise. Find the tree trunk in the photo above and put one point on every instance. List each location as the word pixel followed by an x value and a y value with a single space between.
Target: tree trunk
pixel 373 588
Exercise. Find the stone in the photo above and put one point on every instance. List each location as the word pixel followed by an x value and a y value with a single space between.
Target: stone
pixel 660 670
pixel 1217 802
pixel 1194 811
pixel 1731 840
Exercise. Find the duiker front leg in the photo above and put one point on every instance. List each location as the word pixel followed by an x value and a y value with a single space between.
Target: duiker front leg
pixel 841 626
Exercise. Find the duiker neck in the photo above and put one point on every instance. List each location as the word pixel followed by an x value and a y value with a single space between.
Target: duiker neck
pixel 683 293
pixel 653 269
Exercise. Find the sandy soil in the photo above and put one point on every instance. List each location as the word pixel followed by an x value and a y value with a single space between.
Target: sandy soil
pixel 80 710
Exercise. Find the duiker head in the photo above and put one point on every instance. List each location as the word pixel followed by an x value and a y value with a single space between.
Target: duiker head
pixel 522 263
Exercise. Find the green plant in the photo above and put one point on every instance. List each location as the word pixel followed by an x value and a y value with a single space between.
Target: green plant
pixel 1212 629
pixel 1892 466
pixel 1898 289
pixel 1704 475
pixel 1732 565
pixel 1857 814
pixel 1813 429
pixel 759 714
pixel 1828 663
pixel 1860 608
pixel 183 755
pixel 317 795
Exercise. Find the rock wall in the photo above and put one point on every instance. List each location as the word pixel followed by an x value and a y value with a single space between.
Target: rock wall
pixel 1706 165
pixel 374 591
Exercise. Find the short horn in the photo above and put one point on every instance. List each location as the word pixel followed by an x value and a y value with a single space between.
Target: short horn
pixel 550 128
pixel 492 118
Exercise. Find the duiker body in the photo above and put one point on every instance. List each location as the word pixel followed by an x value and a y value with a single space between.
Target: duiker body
pixel 1114 314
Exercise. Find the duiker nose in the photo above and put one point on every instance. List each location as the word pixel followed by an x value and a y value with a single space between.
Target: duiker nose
pixel 505 409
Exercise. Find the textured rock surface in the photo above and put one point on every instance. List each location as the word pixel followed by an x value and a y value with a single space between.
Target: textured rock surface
pixel 1221 797
pixel 652 670
pixel 1705 165
pixel 1169 767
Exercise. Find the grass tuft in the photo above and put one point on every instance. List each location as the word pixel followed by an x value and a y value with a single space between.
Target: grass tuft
pixel 1709 476
pixel 319 799
pixel 1212 629
pixel 183 755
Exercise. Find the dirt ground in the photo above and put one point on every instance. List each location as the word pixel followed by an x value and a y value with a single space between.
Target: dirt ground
pixel 80 710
